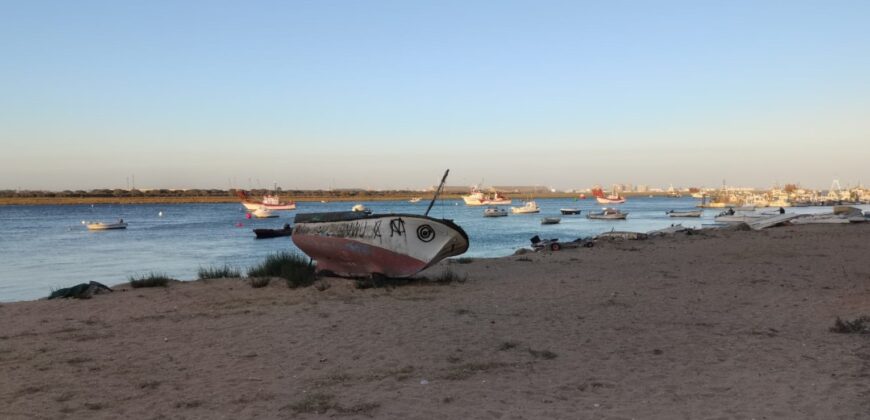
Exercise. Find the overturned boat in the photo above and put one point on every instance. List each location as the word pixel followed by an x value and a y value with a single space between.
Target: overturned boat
pixel 357 244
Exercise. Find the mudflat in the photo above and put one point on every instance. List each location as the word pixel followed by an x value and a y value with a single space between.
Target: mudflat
pixel 718 325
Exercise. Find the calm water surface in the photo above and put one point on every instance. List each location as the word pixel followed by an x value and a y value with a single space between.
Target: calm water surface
pixel 46 247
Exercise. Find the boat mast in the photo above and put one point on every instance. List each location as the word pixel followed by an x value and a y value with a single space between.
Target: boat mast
pixel 438 191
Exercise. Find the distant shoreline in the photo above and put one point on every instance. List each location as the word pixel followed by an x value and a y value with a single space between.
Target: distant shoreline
pixel 70 201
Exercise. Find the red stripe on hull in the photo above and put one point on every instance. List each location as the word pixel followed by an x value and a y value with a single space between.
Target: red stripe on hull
pixel 350 258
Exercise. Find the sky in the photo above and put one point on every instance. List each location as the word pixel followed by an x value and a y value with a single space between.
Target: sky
pixel 388 94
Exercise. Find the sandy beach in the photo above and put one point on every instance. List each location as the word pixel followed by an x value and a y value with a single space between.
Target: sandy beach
pixel 720 325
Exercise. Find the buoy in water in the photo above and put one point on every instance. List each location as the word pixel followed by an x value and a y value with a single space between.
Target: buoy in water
pixel 248 216
pixel 160 214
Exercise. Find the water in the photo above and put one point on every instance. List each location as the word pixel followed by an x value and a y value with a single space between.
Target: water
pixel 47 247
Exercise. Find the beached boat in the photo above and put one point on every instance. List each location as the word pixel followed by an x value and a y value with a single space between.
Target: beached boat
pixel 120 224
pixel 270 202
pixel 607 199
pixel 494 212
pixel 478 198
pixel 263 213
pixel 570 211
pixel 550 220
pixel 684 213
pixel 607 214
pixel 356 244
pixel 273 233
pixel 527 208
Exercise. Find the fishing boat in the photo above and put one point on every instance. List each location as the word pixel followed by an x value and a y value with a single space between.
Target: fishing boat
pixel 357 244
pixel 478 198
pixel 493 211
pixel 550 221
pixel 684 213
pixel 274 233
pixel 607 199
pixel 270 202
pixel 527 208
pixel 607 214
pixel 570 211
pixel 120 224
pixel 263 213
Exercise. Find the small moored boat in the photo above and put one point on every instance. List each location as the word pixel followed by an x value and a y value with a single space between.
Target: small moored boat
pixel 274 233
pixel 270 202
pixel 684 213
pixel 527 208
pixel 550 220
pixel 494 212
pixel 570 211
pixel 120 224
pixel 360 208
pixel 607 214
pixel 263 213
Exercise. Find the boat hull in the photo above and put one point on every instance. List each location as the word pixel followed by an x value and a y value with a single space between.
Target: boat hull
pixel 570 211
pixel 684 213
pixel 604 200
pixel 106 226
pixel 274 207
pixel 272 233
pixel 359 245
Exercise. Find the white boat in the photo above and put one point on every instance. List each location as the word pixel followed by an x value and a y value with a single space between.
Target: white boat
pixel 550 220
pixel 415 199
pixel 478 198
pixel 527 208
pixel 263 213
pixel 607 214
pixel 270 202
pixel 494 212
pixel 120 224
pixel 607 199
pixel 740 216
pixel 357 244
pixel 768 221
pixel 825 218
pixel 684 213
pixel 360 208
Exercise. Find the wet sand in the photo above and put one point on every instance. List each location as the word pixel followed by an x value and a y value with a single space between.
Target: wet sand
pixel 724 325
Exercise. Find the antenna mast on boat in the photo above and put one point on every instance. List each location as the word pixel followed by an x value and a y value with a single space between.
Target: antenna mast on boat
pixel 438 191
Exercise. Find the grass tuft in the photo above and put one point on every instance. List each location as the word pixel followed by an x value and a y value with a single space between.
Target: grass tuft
pixel 297 269
pixel 258 282
pixel 224 272
pixel 448 276
pixel 150 280
pixel 464 260
pixel 860 325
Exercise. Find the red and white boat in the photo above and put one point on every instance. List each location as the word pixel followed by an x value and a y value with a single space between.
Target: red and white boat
pixel 358 244
pixel 607 199
pixel 478 198
pixel 270 202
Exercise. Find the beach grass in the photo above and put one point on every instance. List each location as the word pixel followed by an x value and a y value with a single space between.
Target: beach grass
pixel 860 325
pixel 150 280
pixel 464 260
pixel 258 282
pixel 448 276
pixel 222 272
pixel 297 269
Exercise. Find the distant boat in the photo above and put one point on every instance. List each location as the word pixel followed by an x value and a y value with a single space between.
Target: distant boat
pixel 356 244
pixel 478 198
pixel 550 220
pixel 360 208
pixel 582 196
pixel 607 199
pixel 607 214
pixel 684 213
pixel 415 200
pixel 120 224
pixel 570 211
pixel 494 212
pixel 270 202
pixel 263 213
pixel 527 208
pixel 274 233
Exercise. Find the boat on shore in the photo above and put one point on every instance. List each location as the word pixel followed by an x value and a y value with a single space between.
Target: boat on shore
pixel 684 213
pixel 607 214
pixel 550 220
pixel 570 211
pixel 358 244
pixel 528 207
pixel 478 198
pixel 270 202
pixel 120 224
pixel 274 233
pixel 493 211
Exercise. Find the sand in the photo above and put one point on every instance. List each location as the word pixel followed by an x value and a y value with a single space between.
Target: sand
pixel 725 325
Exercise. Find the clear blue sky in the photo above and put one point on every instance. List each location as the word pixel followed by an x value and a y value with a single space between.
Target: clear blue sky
pixel 389 94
